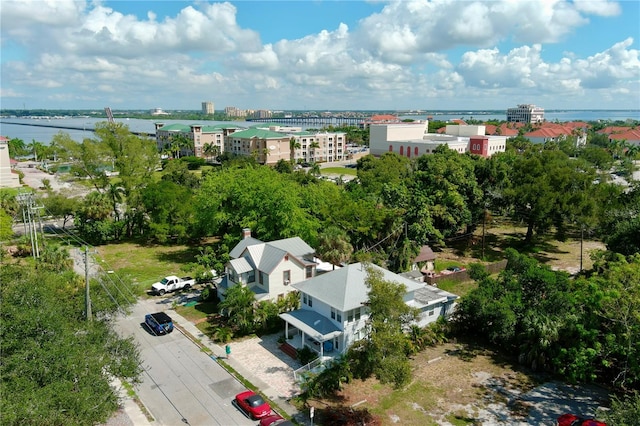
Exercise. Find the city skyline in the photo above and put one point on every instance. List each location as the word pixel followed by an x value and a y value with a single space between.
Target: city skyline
pixel 439 55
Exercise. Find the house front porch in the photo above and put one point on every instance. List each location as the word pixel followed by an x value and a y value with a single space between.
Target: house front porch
pixel 306 328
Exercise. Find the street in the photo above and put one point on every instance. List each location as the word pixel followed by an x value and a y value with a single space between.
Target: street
pixel 181 384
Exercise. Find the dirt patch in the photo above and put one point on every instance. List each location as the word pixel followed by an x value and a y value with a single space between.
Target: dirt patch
pixel 468 384
pixel 559 255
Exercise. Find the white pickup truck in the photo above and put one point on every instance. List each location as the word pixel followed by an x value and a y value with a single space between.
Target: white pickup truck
pixel 172 283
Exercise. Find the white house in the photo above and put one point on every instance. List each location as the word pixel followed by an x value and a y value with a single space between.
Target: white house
pixel 268 269
pixel 333 314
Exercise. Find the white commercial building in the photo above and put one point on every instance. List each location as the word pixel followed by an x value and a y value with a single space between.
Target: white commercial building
pixel 526 113
pixel 8 179
pixel 412 140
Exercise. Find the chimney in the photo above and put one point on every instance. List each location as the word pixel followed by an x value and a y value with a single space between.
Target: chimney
pixel 246 233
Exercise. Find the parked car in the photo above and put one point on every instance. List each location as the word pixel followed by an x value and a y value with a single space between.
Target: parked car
pixel 252 404
pixel 159 323
pixel 275 420
pixel 454 269
pixel 573 420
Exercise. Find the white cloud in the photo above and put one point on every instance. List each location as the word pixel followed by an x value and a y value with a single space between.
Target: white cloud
pixel 524 68
pixel 598 7
pixel 410 51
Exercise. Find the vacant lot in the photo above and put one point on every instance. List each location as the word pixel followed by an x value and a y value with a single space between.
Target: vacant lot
pixel 559 255
pixel 466 384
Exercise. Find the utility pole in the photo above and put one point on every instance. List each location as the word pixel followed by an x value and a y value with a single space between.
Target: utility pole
pixel 581 243
pixel 87 297
pixel 25 199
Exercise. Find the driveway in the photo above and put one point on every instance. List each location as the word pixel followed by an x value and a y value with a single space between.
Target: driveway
pixel 268 363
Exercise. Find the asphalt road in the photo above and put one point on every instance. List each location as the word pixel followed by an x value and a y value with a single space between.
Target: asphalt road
pixel 180 381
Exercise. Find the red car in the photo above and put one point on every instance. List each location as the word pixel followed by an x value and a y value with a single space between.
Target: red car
pixel 573 420
pixel 252 404
pixel 275 420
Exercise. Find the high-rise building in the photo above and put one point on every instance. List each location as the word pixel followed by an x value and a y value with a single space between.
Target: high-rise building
pixel 207 108
pixel 526 113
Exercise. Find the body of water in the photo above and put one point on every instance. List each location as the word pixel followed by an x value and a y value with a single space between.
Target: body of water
pixel 29 129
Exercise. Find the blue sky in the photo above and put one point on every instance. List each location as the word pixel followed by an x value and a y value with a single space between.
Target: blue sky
pixel 320 54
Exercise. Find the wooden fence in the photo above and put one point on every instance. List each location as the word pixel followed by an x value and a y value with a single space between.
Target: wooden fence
pixel 492 268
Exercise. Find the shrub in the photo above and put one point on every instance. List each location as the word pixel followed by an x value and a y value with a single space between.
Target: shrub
pixel 306 355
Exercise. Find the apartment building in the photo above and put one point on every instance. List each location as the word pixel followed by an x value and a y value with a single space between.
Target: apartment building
pixel 208 141
pixel 319 147
pixel 525 113
pixel 268 147
pixel 207 108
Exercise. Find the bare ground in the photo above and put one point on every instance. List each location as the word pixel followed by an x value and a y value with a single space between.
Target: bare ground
pixel 465 384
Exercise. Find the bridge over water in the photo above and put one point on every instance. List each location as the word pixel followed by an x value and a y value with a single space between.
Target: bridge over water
pixel 84 128
pixel 313 121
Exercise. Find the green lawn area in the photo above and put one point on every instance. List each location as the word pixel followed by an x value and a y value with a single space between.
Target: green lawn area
pixel 146 264
pixel 197 312
pixel 338 171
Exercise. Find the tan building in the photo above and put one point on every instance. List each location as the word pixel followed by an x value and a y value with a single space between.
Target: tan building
pixel 208 141
pixel 207 108
pixel 266 146
pixel 311 147
pixel 319 147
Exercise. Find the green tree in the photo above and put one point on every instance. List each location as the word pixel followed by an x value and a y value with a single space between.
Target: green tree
pixel 390 169
pixel 334 246
pixel 56 367
pixel 284 166
pixel 625 410
pixel 548 188
pixel 293 145
pixel 267 202
pixel 389 316
pixel 313 145
pixel 169 207
pixel 17 148
pixel 239 306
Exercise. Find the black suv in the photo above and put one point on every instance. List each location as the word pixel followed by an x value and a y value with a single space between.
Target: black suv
pixel 159 323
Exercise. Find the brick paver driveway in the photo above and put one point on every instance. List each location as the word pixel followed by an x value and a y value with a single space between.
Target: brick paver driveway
pixel 266 361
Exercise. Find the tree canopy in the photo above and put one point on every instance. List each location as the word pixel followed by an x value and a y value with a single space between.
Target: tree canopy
pixel 56 367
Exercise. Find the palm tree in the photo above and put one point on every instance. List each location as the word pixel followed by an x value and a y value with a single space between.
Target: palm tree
pixel 266 152
pixel 293 145
pixel 238 306
pixel 315 169
pixel 334 246
pixel 209 149
pixel 116 193
pixel 313 146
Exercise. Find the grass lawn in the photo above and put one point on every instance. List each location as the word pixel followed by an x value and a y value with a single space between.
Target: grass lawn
pixel 338 171
pixel 197 312
pixel 146 264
